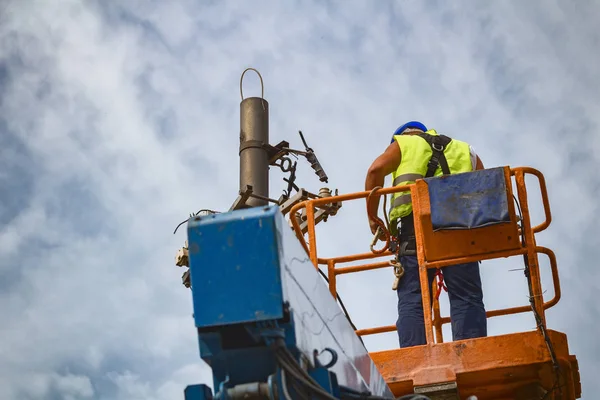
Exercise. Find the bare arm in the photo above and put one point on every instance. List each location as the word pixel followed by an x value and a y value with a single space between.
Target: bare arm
pixel 479 164
pixel 476 159
pixel 383 165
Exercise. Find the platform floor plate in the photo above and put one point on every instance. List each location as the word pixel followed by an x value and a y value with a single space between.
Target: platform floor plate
pixel 492 368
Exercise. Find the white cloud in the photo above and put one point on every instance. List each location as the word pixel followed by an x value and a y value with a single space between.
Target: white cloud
pixel 118 120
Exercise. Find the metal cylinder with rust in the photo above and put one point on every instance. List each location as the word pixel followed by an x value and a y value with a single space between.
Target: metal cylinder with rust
pixel 254 136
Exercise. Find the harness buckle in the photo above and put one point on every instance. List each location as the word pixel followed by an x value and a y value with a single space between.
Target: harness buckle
pixel 435 147
pixel 398 273
pixel 378 233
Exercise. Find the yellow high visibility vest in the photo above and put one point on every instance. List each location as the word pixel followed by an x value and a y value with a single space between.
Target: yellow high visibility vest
pixel 415 155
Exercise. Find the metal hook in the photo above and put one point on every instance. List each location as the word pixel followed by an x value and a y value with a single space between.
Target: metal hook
pixel 378 233
pixel 262 86
pixel 334 358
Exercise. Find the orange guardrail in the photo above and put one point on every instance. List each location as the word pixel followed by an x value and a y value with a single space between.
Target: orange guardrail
pixel 525 247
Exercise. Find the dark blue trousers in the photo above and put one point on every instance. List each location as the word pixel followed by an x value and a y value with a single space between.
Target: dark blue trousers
pixel 467 312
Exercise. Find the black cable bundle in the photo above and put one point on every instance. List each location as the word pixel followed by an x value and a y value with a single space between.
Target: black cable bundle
pixel 305 386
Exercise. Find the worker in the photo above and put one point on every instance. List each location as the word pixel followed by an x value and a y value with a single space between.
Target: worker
pixel 416 152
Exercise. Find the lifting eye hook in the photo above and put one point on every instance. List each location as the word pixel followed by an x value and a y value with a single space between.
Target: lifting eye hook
pixel 334 358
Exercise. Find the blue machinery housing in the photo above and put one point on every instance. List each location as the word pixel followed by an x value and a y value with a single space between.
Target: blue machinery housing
pixel 263 312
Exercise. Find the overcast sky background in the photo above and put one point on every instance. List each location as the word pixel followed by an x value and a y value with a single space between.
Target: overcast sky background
pixel 118 119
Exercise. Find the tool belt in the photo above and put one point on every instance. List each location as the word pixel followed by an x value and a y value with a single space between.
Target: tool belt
pixel 406 236
pixel 407 247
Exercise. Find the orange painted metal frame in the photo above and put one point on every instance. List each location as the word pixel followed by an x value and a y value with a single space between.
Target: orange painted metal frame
pixel 418 194
pixel 474 363
pixel 501 367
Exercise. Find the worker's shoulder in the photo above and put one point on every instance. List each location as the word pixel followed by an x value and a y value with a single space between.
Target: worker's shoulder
pixel 459 141
pixel 456 140
pixel 418 139
pixel 409 139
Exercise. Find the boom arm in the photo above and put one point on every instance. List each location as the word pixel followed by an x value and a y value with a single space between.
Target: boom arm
pixel 267 324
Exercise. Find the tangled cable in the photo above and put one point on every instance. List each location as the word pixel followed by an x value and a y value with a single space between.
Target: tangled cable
pixel 383 227
pixel 305 387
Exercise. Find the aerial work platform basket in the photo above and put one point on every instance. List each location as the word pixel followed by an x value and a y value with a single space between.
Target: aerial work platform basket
pixel 461 218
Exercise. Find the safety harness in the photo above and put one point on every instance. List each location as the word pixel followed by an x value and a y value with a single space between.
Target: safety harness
pixel 438 144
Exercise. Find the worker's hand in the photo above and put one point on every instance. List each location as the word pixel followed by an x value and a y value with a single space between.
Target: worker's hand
pixel 373 225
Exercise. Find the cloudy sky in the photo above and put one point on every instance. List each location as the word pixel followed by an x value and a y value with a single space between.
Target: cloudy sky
pixel 118 119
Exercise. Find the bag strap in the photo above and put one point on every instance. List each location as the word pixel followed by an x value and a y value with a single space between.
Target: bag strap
pixel 438 144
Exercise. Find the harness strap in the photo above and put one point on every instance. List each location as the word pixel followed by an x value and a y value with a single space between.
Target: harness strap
pixel 438 145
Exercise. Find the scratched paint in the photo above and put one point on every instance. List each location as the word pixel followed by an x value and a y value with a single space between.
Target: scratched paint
pixel 468 200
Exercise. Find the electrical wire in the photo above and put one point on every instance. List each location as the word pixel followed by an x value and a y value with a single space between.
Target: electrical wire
pixel 291 369
pixel 285 357
pixel 556 386
pixel 385 228
pixel 194 215
pixel 351 394
pixel 339 299
pixel 284 387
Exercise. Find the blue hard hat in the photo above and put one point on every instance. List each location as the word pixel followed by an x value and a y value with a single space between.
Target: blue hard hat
pixel 411 124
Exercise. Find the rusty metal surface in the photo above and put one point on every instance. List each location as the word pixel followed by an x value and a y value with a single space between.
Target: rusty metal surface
pixel 490 368
pixel 254 159
pixel 439 391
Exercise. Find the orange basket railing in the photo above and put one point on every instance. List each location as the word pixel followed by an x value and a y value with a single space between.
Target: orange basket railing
pixel 527 248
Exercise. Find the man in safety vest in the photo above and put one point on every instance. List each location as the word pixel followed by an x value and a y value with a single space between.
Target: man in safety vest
pixel 415 153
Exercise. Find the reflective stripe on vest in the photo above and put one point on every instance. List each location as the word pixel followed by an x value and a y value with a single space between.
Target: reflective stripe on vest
pixel 415 154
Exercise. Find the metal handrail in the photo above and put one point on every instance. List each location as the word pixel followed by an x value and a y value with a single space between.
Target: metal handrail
pixel 529 249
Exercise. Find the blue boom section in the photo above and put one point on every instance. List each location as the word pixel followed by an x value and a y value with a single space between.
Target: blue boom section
pixel 267 324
